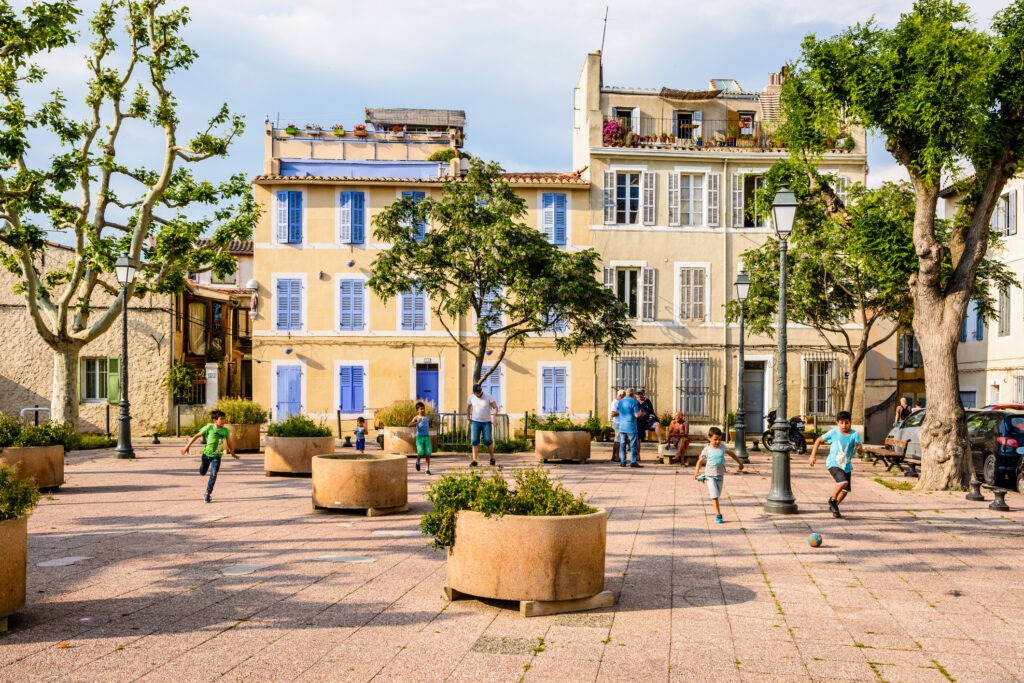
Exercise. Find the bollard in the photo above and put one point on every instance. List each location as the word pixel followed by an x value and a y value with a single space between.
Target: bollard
pixel 975 493
pixel 999 504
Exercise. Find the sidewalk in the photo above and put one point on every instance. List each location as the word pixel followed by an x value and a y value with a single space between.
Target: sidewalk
pixel 144 581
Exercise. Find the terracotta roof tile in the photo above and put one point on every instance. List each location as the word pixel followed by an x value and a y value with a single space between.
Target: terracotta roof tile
pixel 235 247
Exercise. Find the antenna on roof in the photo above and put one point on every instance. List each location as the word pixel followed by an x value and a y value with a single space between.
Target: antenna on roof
pixel 605 29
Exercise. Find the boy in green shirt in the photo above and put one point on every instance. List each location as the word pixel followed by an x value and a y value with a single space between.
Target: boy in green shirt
pixel 213 435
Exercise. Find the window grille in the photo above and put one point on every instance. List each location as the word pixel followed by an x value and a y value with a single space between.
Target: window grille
pixel 1018 389
pixel 695 398
pixel 634 369
pixel 824 385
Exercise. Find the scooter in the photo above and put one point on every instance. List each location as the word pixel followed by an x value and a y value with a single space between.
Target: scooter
pixel 796 433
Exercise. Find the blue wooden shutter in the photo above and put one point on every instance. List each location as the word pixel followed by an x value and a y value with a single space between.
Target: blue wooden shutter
pixel 350 389
pixel 295 305
pixel 560 389
pixel 411 315
pixel 294 217
pixel 420 304
pixel 283 304
pixel 979 324
pixel 358 293
pixel 489 313
pixel 963 329
pixel 492 385
pixel 420 228
pixel 289 391
pixel 560 218
pixel 345 217
pixel 358 217
pixel 282 216
pixel 346 305
pixel 547 390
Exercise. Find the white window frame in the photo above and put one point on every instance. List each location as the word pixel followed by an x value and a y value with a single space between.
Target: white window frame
pixel 85 383
pixel 365 365
pixel 338 277
pixel 274 365
pixel 678 266
pixel 304 298
pixel 540 385
pixel 305 216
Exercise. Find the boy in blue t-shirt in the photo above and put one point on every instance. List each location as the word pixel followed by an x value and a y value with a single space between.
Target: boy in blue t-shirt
pixel 422 424
pixel 843 443
pixel 360 432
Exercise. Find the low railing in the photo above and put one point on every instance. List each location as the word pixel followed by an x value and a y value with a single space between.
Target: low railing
pixel 453 429
pixel 674 133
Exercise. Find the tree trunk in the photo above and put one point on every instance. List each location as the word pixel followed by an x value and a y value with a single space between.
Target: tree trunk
pixel 945 451
pixel 851 382
pixel 64 398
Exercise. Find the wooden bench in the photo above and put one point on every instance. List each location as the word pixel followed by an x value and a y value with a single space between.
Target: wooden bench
pixel 887 453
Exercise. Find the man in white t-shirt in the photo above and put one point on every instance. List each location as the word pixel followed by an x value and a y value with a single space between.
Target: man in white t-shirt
pixel 480 410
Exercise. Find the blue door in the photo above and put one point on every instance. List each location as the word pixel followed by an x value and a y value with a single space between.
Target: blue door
pixel 426 383
pixel 289 391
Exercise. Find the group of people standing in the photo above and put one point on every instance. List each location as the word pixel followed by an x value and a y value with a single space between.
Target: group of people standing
pixel 630 423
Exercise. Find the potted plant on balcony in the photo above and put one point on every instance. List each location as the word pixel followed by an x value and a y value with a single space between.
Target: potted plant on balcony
pixel 557 438
pixel 314 129
pixel 700 141
pixel 291 129
pixel 845 142
pixel 18 498
pixel 436 133
pixel 292 443
pixel 397 131
pixel 36 450
pixel 243 418
pixel 537 543
pixel 359 130
pixel 339 130
pixel 394 421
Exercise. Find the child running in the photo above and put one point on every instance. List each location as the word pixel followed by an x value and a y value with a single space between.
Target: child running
pixel 422 424
pixel 360 435
pixel 713 456
pixel 213 435
pixel 843 443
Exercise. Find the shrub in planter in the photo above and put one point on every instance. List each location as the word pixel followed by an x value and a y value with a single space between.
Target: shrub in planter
pixel 18 498
pixel 399 437
pixel 292 443
pixel 243 418
pixel 297 426
pixel 558 438
pixel 38 450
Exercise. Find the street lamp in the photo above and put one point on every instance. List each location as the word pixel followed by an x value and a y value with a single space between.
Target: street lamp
pixel 742 291
pixel 125 270
pixel 780 499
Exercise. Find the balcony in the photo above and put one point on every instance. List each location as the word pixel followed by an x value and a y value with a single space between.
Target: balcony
pixel 654 133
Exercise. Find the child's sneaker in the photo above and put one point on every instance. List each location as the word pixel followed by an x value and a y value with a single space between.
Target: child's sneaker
pixel 718 519
pixel 833 505
pixel 428 470
pixel 474 463
pixel 417 465
pixel 207 498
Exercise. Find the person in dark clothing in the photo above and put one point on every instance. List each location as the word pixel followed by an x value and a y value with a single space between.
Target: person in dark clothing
pixel 649 419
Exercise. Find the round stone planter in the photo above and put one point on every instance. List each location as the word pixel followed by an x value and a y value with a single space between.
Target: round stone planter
pixel 530 559
pixel 13 558
pixel 403 440
pixel 246 438
pixel 44 465
pixel 562 446
pixel 378 484
pixel 294 454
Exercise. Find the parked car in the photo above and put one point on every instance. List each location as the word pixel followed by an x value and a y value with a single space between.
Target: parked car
pixel 1005 406
pixel 907 436
pixel 997 446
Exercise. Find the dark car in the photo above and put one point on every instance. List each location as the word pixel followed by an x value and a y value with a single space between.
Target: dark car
pixel 997 446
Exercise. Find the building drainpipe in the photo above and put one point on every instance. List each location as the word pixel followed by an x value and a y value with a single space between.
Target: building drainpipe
pixel 725 269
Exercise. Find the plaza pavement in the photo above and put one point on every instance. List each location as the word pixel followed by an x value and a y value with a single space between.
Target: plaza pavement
pixel 908 587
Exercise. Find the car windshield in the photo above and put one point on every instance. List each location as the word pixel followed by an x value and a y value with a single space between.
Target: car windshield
pixel 914 420
pixel 1015 424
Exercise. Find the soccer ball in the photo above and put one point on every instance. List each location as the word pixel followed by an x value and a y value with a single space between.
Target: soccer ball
pixel 814 540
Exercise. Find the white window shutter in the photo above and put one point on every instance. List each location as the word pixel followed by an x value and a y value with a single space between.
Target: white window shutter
pixel 609 197
pixel 685 305
pixel 699 295
pixel 713 201
pixel 649 180
pixel 673 199
pixel 547 216
pixel 634 120
pixel 1011 214
pixel 609 278
pixel 282 217
pixel 649 302
pixel 345 217
pixel 737 200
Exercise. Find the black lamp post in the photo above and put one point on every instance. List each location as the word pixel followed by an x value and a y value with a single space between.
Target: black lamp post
pixel 780 499
pixel 742 290
pixel 125 269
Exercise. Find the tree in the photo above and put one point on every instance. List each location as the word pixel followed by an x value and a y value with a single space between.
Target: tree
pixel 943 94
pixel 478 258
pixel 87 191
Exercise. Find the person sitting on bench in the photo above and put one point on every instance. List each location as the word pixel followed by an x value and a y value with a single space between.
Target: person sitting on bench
pixel 679 435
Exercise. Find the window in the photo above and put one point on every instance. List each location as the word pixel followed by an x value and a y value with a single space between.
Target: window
pixel 351 217
pixel 1018 389
pixel 421 227
pixel 492 385
pixel 1004 312
pixel 693 389
pixel 490 312
pixel 350 388
pixel 100 380
pixel 553 217
pixel 555 323
pixel 747 122
pixel 289 217
pixel 628 117
pixel 351 304
pixel 969 399
pixel 635 287
pixel 822 390
pixel 687 125
pixel 973 326
pixel 841 186
pixel 629 197
pixel 229 279
pixel 909 351
pixel 414 310
pixel 685 199
pixel 1004 216
pixel 196 328
pixel 745 189
pixel 289 304
pixel 692 291
pixel 242 322
pixel 630 371
pixel 554 384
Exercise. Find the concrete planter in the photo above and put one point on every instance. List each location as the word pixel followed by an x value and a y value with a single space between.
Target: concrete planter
pixel 44 465
pixel 13 558
pixel 562 446
pixel 530 559
pixel 377 483
pixel 246 438
pixel 403 440
pixel 294 454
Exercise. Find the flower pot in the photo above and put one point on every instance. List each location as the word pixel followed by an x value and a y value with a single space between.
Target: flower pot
pixel 403 440
pixel 44 465
pixel 359 133
pixel 519 557
pixel 291 130
pixel 339 132
pixel 314 132
pixel 246 438
pixel 294 454
pixel 377 483
pixel 13 559
pixel 562 446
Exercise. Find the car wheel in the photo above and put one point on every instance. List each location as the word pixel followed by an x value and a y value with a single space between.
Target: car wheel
pixel 1020 482
pixel 990 470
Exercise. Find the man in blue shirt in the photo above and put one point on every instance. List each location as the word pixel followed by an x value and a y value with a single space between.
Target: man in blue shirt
pixel 628 411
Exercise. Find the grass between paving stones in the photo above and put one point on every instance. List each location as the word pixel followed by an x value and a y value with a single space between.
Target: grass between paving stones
pixel 895 485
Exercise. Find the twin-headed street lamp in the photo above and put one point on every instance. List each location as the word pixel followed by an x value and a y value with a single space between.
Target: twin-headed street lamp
pixel 125 269
pixel 742 291
pixel 780 498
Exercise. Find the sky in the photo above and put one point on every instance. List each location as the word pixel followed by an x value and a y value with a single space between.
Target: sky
pixel 511 66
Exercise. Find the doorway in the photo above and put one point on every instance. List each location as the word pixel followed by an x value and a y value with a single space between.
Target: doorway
pixel 753 395
pixel 427 383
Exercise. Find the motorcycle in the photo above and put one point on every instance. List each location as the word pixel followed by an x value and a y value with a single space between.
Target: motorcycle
pixel 796 433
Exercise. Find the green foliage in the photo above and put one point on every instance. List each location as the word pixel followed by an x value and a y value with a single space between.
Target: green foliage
pixel 46 434
pixel 534 494
pixel 297 425
pixel 443 155
pixel 598 430
pixel 478 250
pixel 18 497
pixel 400 413
pixel 88 442
pixel 179 380
pixel 10 427
pixel 554 423
pixel 241 411
pixel 516 445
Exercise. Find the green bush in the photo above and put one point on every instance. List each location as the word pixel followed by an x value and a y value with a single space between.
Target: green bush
pixel 10 427
pixel 297 425
pixel 18 497
pixel 179 380
pixel 89 442
pixel 46 434
pixel 443 155
pixel 553 423
pixel 516 445
pixel 241 411
pixel 534 494
pixel 401 413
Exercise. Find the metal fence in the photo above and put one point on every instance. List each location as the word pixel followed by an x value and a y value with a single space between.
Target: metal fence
pixel 453 429
pixel 654 132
